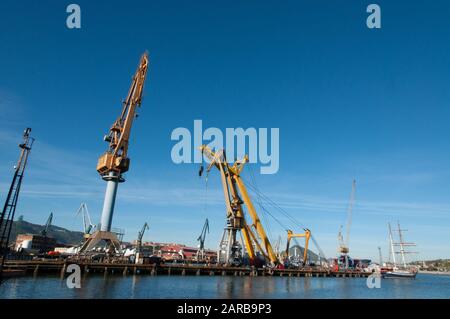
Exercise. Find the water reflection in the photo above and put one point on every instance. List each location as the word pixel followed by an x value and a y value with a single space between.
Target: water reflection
pixel 184 287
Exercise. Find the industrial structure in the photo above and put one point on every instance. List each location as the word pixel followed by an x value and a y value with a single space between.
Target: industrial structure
pixel 47 225
pixel 140 236
pixel 88 227
pixel 34 243
pixel 306 235
pixel 244 240
pixel 9 209
pixel 200 256
pixel 344 249
pixel 115 161
pixel 236 195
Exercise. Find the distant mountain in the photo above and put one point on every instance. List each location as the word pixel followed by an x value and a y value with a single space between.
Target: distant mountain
pixel 62 235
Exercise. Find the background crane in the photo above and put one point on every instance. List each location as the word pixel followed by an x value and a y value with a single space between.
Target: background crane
pixel 277 246
pixel 201 240
pixel 344 242
pixel 380 256
pixel 140 236
pixel 88 227
pixel 115 161
pixel 306 235
pixel 44 231
pixel 9 209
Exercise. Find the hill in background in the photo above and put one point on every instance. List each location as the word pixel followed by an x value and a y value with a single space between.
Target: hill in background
pixel 62 235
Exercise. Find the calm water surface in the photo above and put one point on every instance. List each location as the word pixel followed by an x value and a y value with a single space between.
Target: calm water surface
pixel 142 286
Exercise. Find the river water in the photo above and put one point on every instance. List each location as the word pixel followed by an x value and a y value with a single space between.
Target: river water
pixel 144 286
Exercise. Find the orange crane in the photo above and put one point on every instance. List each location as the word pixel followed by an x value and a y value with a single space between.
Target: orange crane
pixel 236 196
pixel 115 161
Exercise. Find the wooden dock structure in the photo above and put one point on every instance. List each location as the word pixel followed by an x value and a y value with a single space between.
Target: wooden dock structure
pixel 37 267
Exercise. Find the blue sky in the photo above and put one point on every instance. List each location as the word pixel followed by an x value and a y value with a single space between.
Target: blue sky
pixel 350 103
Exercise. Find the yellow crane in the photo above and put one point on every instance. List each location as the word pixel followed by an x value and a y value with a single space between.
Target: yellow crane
pixel 236 196
pixel 115 161
pixel 306 235
pixel 344 244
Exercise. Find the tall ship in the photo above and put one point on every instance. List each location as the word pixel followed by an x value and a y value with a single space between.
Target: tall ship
pixel 400 268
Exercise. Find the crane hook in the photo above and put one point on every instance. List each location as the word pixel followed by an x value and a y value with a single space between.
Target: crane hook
pixel 200 172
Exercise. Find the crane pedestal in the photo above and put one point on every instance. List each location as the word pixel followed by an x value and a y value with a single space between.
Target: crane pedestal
pixel 110 238
pixel 104 234
pixel 230 251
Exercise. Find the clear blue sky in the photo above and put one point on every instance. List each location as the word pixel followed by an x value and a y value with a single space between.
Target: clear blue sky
pixel 350 103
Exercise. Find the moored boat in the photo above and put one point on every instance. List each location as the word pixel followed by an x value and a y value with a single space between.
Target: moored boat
pixel 400 273
pixel 403 271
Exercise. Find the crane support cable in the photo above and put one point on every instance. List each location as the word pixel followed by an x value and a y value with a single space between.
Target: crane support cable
pixel 321 253
pixel 258 199
pixel 278 207
pixel 285 213
pixel 258 193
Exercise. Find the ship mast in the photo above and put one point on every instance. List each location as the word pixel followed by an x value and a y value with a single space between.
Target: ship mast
pixel 402 248
pixel 391 240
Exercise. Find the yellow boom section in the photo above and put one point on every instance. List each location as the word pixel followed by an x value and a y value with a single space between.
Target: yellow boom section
pixel 115 158
pixel 233 187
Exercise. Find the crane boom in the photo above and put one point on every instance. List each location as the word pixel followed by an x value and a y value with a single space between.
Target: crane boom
pixel 350 212
pixel 87 223
pixel 9 209
pixel 344 242
pixel 47 225
pixel 201 240
pixel 141 235
pixel 116 157
pixel 115 160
